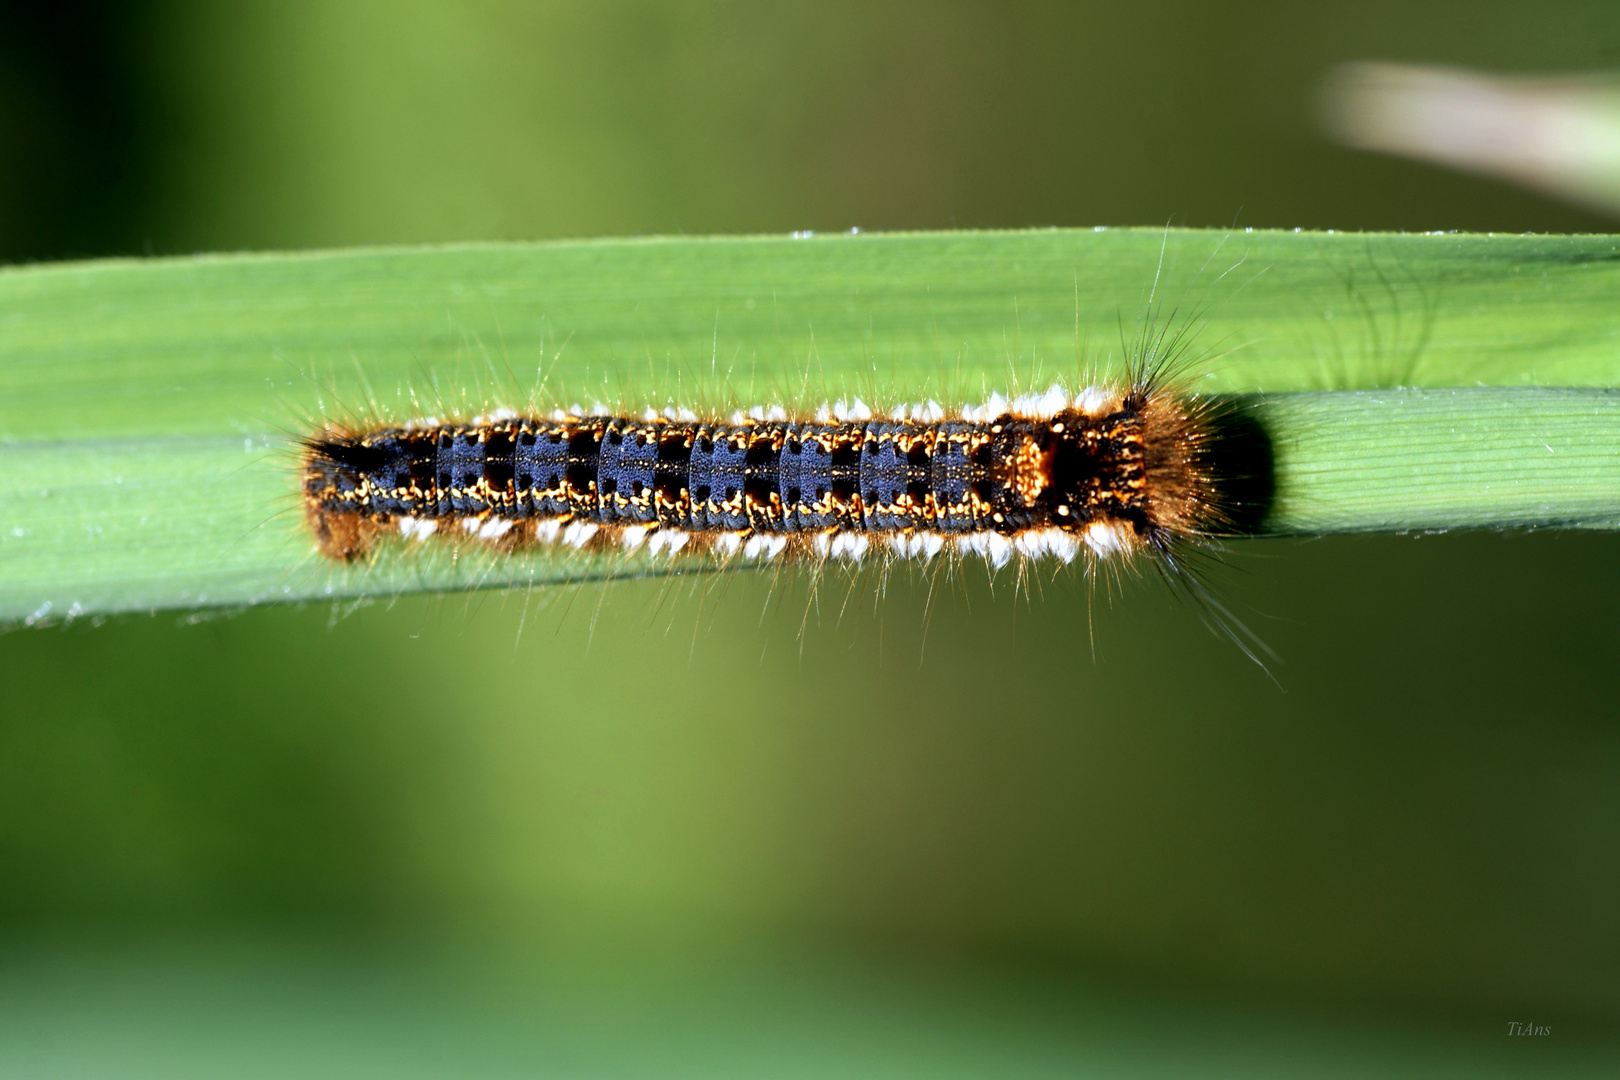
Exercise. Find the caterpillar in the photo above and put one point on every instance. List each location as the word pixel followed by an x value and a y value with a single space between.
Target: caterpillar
pixel 1116 472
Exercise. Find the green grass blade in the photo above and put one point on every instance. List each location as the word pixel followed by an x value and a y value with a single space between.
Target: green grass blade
pixel 145 407
pixel 1476 457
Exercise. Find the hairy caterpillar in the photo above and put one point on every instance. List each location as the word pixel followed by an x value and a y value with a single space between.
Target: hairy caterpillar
pixel 1139 469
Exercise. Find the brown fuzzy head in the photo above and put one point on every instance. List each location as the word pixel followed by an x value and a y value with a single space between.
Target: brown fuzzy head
pixel 1176 467
pixel 1208 465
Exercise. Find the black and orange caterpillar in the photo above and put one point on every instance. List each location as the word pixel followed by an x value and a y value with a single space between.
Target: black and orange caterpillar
pixel 1111 471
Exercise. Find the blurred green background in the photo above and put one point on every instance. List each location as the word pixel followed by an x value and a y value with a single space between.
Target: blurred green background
pixel 682 828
